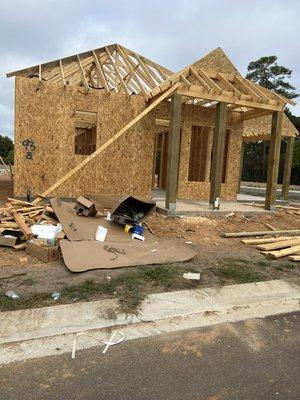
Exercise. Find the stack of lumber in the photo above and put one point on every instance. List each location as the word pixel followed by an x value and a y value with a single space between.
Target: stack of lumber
pixel 277 247
pixel 18 216
pixel 290 209
pixel 274 244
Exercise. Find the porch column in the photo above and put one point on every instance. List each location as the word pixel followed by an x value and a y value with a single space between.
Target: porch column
pixel 287 167
pixel 217 153
pixel 173 152
pixel 241 167
pixel 274 154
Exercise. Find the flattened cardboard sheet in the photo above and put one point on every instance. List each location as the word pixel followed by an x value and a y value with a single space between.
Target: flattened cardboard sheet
pixel 78 227
pixel 87 255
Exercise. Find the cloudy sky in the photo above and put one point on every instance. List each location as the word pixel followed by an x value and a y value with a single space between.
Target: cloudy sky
pixel 172 32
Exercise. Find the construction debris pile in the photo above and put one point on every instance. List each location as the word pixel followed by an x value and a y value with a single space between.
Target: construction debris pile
pixel 96 231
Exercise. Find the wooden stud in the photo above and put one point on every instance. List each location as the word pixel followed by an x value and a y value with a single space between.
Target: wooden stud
pixel 274 154
pixel 117 73
pixel 288 161
pixel 83 77
pixel 100 72
pixel 134 75
pixel 218 153
pixel 241 167
pixel 62 73
pixel 173 152
pixel 106 144
pixel 40 73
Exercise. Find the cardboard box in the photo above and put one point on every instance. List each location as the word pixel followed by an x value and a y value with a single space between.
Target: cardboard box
pixel 8 240
pixel 85 207
pixel 41 251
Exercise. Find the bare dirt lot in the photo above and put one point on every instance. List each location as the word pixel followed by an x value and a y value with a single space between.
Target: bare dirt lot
pixel 219 261
pixel 6 187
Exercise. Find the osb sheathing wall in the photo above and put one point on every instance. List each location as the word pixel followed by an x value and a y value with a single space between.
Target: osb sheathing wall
pixel 195 115
pixel 45 114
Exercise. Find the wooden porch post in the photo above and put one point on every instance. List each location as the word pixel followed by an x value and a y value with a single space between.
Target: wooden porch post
pixel 217 153
pixel 173 152
pixel 274 154
pixel 241 167
pixel 287 167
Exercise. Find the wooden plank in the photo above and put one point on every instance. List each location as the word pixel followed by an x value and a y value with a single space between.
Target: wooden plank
pixel 288 161
pixel 16 201
pixel 273 165
pixel 173 152
pixel 200 80
pixel 266 240
pixel 20 221
pixel 295 257
pixel 217 153
pixel 200 93
pixel 278 245
pixel 83 77
pixel 284 252
pixel 229 85
pixel 261 233
pixel 241 167
pixel 62 73
pixel 106 144
pixel 209 81
pixel 117 71
pixel 255 114
pixel 133 73
pixel 100 71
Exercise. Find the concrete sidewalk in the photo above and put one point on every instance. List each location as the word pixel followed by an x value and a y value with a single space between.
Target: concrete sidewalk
pixel 39 332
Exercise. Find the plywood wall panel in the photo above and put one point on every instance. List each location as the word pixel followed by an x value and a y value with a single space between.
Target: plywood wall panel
pixel 46 113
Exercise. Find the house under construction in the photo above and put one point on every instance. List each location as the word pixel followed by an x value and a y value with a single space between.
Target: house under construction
pixel 112 121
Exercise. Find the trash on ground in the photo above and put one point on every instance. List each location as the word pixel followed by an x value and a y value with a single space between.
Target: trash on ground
pixel 107 344
pixel 138 237
pixel 55 295
pixel 101 233
pixel 12 295
pixel 191 276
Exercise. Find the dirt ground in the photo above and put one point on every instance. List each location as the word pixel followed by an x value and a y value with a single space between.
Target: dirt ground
pixel 219 260
pixel 6 187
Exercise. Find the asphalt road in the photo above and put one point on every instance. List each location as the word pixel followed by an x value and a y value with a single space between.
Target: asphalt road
pixel 256 359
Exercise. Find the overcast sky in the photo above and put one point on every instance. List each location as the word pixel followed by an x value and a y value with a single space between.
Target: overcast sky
pixel 174 33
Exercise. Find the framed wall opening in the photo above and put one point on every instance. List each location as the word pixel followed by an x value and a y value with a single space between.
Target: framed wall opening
pixel 199 154
pixel 85 132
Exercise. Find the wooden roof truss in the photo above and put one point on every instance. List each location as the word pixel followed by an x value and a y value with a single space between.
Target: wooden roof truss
pixel 206 88
pixel 115 68
pixel 112 68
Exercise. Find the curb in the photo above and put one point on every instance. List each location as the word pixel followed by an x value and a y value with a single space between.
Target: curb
pixel 38 332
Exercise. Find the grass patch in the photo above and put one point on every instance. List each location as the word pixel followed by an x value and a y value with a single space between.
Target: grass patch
pixel 29 281
pixel 238 274
pixel 130 288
